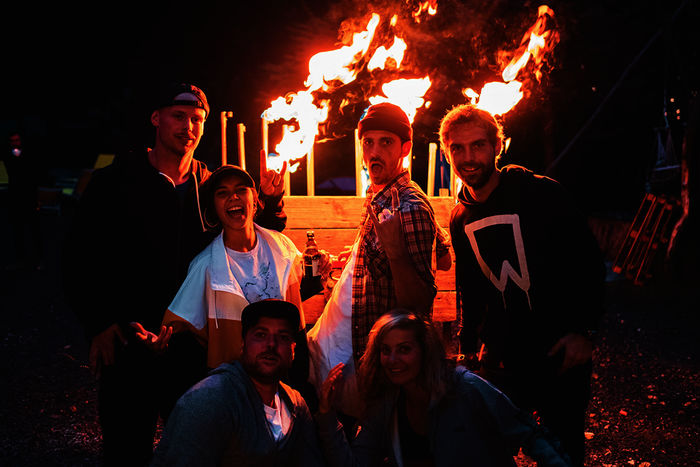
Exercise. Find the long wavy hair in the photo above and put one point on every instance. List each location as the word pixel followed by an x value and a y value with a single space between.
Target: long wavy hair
pixel 434 372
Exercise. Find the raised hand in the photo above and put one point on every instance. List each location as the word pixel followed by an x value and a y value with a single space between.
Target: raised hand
pixel 271 181
pixel 329 388
pixel 388 228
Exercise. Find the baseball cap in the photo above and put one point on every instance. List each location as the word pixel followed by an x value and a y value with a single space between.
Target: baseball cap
pixel 269 308
pixel 208 188
pixel 183 94
pixel 387 117
pixel 226 171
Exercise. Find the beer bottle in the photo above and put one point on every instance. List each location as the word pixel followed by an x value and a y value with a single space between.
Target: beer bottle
pixel 312 258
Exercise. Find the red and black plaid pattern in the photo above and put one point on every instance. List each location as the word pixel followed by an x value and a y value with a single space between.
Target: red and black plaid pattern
pixel 372 283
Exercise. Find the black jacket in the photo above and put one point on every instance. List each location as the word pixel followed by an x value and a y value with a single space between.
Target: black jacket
pixel 132 240
pixel 528 268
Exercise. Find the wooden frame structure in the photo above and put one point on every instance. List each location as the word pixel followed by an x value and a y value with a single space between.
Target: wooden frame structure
pixel 335 221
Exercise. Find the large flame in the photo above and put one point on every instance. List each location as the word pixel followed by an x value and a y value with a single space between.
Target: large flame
pixel 499 98
pixel 382 55
pixel 337 64
pixel 332 69
pixel 406 93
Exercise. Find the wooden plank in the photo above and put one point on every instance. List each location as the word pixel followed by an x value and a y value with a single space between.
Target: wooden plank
pixel 337 212
pixel 331 240
pixel 323 212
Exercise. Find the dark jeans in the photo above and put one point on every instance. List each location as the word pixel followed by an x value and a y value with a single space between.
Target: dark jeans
pixel 559 401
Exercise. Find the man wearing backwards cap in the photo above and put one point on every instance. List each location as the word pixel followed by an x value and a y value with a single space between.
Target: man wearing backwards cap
pixel 242 414
pixel 137 227
pixel 391 261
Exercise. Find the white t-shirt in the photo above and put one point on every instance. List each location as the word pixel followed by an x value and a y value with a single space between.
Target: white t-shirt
pixel 278 417
pixel 330 340
pixel 252 271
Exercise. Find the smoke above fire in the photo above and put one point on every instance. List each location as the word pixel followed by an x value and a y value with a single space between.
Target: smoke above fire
pixel 412 53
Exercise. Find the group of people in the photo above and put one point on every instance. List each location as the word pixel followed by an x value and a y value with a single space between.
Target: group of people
pixel 194 310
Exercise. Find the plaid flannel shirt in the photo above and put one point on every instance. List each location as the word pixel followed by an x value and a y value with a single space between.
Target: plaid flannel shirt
pixel 373 291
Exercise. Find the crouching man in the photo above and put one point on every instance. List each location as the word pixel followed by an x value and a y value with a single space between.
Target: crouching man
pixel 242 414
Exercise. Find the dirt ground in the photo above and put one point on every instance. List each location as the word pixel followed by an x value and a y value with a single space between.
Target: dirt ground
pixel 644 410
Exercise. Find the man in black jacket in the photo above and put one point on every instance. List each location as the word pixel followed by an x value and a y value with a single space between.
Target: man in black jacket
pixel 138 226
pixel 530 276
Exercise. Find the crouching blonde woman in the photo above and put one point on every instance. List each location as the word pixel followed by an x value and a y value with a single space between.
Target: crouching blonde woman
pixel 422 411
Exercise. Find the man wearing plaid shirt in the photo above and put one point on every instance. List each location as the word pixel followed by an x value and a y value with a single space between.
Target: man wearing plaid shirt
pixel 391 262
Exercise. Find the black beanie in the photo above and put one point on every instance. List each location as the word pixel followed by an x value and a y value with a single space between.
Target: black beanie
pixel 387 117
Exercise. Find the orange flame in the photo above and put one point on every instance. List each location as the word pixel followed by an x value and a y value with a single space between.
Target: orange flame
pixel 406 93
pixel 499 98
pixel 429 6
pixel 337 64
pixel 326 71
pixel 382 55
pixel 324 67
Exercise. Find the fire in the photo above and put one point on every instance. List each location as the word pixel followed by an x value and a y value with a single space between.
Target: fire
pixel 337 64
pixel 499 98
pixel 378 54
pixel 382 55
pixel 406 93
pixel 429 6
pixel 332 69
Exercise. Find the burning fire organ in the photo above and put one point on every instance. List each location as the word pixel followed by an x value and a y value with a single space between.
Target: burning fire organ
pixel 379 47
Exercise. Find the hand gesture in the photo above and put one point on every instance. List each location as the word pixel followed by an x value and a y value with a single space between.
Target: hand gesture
pixel 271 181
pixel 103 348
pixel 388 228
pixel 578 350
pixel 157 343
pixel 344 256
pixel 329 388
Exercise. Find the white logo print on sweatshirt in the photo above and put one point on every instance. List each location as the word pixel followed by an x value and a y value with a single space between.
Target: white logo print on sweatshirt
pixel 522 280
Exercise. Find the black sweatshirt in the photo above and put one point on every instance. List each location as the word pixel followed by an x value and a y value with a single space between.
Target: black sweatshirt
pixel 528 268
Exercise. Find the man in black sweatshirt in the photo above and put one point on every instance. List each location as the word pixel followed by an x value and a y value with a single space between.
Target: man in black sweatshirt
pixel 530 277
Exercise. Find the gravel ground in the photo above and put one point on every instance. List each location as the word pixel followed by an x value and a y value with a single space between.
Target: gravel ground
pixel 644 410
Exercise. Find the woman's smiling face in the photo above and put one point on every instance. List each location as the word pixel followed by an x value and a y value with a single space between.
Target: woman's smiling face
pixel 401 356
pixel 234 202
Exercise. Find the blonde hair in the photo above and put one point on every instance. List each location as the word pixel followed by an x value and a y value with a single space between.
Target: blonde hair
pixel 433 375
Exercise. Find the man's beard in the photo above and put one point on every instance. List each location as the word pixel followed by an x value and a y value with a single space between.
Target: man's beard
pixel 261 373
pixel 478 179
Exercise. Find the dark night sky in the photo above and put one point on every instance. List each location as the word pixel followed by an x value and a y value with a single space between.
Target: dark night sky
pixel 77 77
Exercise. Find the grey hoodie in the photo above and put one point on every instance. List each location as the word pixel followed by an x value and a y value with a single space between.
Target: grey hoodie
pixel 221 421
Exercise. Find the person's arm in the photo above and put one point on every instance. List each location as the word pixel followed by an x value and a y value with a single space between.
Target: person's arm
pixel 366 448
pixel 515 427
pixel 443 258
pixel 573 242
pixel 88 280
pixel 407 236
pixel 87 277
